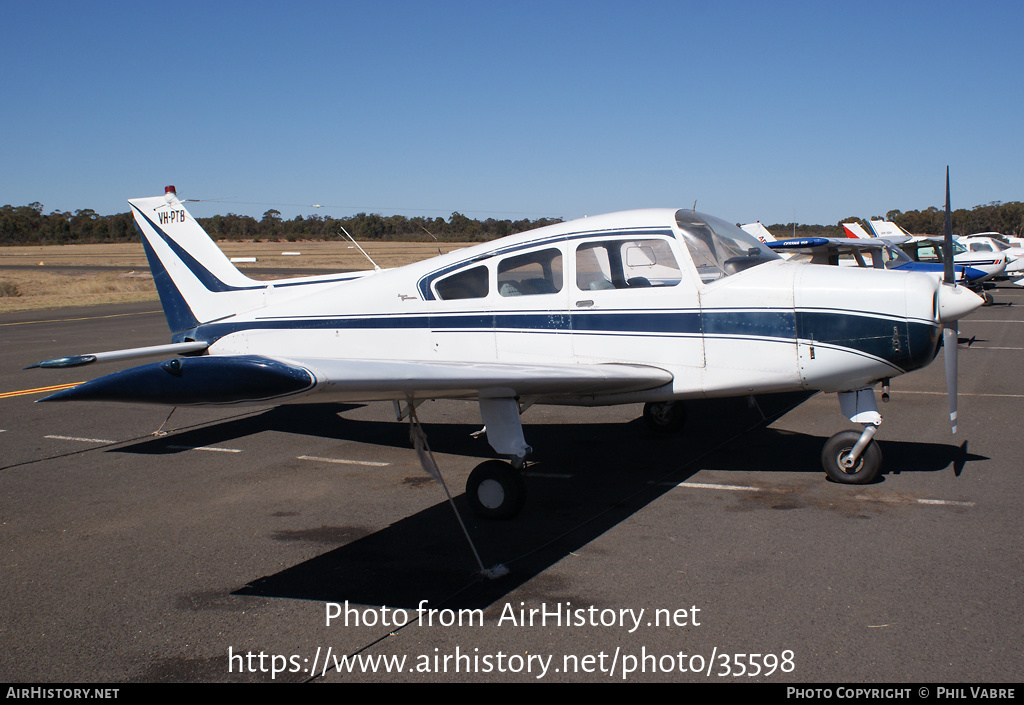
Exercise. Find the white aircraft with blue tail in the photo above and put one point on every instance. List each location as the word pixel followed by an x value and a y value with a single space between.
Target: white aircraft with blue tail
pixel 656 306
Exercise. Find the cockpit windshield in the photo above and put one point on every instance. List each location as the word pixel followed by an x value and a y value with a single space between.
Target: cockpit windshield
pixel 718 248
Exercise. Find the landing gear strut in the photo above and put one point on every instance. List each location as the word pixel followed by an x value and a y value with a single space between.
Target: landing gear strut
pixel 495 488
pixel 853 457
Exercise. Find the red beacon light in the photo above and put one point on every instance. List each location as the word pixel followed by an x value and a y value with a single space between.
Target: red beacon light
pixel 170 190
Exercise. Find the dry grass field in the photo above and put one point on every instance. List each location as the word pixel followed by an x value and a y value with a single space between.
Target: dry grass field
pixel 28 280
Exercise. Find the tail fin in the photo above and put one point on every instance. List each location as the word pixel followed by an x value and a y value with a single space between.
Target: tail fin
pixel 759 231
pixel 886 228
pixel 856 230
pixel 195 280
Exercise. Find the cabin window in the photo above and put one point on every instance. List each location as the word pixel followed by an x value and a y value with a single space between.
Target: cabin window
pixel 467 284
pixel 718 248
pixel 929 253
pixel 625 264
pixel 531 274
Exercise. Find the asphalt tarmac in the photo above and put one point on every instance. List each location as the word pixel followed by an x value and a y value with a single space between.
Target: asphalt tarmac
pixel 307 544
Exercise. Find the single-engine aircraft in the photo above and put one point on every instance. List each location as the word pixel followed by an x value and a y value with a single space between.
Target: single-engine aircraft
pixel 655 306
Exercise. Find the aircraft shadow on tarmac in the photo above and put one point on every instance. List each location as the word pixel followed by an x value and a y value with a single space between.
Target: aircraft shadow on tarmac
pixel 606 473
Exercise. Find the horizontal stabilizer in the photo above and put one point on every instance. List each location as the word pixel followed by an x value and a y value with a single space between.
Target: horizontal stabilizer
pixel 196 380
pixel 127 354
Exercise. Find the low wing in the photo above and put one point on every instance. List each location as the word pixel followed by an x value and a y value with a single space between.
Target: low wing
pixel 841 245
pixel 255 379
pixel 827 250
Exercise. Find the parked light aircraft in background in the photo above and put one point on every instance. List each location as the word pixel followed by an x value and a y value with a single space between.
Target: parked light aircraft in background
pixel 859 249
pixel 994 242
pixel 929 249
pixel 655 306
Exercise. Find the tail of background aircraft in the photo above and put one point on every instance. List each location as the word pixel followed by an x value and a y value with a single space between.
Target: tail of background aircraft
pixel 759 231
pixel 885 228
pixel 856 230
pixel 195 280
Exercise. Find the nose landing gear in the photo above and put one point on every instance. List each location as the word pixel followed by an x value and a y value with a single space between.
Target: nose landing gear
pixel 852 457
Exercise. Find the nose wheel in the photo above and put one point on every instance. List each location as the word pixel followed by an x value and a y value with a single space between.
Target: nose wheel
pixel 843 465
pixel 853 457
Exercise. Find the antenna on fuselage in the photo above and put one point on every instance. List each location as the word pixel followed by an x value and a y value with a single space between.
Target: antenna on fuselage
pixel 375 267
pixel 435 239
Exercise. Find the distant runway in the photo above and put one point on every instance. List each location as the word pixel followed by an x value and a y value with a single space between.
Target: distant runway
pixel 213 544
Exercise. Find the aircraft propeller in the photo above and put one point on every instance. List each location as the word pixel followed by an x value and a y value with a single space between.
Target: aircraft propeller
pixel 950 330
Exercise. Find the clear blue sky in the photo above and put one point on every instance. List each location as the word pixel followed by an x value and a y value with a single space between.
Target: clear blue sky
pixel 755 110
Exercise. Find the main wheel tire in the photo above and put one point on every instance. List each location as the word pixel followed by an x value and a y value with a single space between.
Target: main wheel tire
pixel 495 490
pixel 838 447
pixel 665 416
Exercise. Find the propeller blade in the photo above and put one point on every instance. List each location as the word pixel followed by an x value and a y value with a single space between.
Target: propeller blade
pixel 947 241
pixel 950 332
pixel 949 344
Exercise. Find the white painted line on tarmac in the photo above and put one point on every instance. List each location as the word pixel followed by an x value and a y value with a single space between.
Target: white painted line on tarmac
pixel 81 440
pixel 710 486
pixel 865 498
pixel 210 448
pixel 947 502
pixel 962 394
pixel 343 461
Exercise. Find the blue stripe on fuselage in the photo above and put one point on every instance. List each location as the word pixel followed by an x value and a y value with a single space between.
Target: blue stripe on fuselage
pixel 905 344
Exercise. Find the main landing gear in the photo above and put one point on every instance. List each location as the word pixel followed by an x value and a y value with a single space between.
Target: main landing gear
pixel 496 490
pixel 665 416
pixel 853 457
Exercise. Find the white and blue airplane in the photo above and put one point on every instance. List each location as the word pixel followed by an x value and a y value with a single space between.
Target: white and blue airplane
pixel 655 306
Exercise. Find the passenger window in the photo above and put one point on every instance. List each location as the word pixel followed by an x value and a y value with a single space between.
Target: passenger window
pixel 469 284
pixel 625 264
pixel 531 274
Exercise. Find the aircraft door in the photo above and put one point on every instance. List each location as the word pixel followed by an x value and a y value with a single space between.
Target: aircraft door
pixel 531 320
pixel 462 322
pixel 631 302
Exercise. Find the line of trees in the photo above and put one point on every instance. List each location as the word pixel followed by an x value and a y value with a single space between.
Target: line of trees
pixel 27 225
pixel 1005 218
